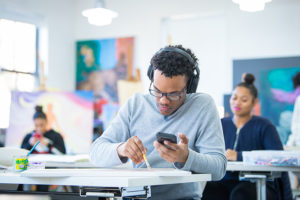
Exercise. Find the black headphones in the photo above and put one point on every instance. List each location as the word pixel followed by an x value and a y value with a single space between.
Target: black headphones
pixel 193 81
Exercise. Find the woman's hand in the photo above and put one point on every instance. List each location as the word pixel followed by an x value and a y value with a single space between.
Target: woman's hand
pixel 33 140
pixel 231 155
pixel 44 141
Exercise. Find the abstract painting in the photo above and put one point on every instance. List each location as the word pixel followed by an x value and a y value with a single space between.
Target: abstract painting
pixel 277 97
pixel 100 63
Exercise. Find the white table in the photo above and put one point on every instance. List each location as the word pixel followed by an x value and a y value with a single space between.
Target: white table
pixel 63 161
pixel 259 174
pixel 127 182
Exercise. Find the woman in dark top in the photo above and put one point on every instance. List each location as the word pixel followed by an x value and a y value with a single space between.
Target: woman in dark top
pixel 245 132
pixel 50 141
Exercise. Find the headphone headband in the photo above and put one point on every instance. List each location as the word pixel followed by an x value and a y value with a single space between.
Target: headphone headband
pixel 174 49
pixel 193 81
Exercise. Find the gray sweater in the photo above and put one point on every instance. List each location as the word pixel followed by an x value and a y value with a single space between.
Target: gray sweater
pixel 197 118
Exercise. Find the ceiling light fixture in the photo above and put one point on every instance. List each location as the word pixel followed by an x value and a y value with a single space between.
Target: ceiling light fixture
pixel 251 5
pixel 99 16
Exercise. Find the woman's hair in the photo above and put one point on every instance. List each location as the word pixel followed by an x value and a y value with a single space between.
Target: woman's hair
pixel 39 113
pixel 248 82
pixel 296 80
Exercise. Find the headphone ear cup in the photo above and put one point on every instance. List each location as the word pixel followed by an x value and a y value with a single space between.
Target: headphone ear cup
pixel 188 89
pixel 150 72
pixel 193 85
pixel 193 82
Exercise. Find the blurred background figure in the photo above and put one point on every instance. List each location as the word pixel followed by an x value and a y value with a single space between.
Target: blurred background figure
pixel 50 140
pixel 294 139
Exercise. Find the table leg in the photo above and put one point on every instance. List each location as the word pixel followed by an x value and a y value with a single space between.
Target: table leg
pixel 258 189
pixel 261 189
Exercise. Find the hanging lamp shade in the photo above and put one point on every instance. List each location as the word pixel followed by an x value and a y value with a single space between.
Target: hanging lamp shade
pixel 251 5
pixel 99 15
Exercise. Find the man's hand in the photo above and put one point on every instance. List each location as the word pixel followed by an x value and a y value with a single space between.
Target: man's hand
pixel 132 149
pixel 231 155
pixel 177 152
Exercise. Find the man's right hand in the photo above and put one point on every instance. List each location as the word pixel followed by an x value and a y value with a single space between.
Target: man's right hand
pixel 132 149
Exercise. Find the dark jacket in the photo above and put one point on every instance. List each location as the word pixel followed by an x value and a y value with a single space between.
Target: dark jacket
pixel 56 141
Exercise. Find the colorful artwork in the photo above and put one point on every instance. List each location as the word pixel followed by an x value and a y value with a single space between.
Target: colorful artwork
pixel 100 63
pixel 277 97
pixel 69 113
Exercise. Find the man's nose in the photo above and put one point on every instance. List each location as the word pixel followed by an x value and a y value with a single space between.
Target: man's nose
pixel 164 100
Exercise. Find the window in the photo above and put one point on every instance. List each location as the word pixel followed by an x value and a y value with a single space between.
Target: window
pixel 18 57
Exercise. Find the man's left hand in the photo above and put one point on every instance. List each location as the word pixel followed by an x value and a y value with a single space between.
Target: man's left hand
pixel 177 152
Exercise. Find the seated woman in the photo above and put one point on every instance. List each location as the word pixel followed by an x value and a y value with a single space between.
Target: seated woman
pixel 50 141
pixel 245 132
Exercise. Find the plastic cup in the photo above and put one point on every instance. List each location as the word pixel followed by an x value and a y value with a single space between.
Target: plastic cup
pixel 20 163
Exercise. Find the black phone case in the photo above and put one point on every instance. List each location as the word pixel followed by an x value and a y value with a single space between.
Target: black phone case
pixel 166 136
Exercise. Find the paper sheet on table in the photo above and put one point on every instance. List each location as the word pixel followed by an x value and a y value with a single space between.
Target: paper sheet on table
pixel 59 158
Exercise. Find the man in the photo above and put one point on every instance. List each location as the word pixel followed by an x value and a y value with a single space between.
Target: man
pixel 171 107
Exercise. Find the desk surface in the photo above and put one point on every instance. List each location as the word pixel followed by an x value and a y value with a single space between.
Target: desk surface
pixel 239 166
pixel 141 178
pixel 63 161
pixel 106 172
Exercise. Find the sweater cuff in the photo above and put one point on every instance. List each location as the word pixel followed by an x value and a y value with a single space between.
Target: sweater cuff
pixel 188 164
pixel 239 156
pixel 123 159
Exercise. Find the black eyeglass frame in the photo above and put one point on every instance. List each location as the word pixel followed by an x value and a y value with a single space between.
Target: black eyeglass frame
pixel 168 95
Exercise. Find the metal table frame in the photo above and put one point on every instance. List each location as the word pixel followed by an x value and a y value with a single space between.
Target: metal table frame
pixel 259 175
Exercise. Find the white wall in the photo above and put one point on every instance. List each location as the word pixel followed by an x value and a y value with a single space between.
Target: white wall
pixel 207 37
pixel 271 33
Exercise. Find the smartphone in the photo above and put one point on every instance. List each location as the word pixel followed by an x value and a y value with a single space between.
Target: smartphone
pixel 161 137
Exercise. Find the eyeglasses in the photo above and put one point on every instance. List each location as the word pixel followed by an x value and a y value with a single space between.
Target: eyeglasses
pixel 172 96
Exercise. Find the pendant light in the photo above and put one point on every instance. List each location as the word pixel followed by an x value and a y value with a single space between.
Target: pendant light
pixel 251 5
pixel 99 16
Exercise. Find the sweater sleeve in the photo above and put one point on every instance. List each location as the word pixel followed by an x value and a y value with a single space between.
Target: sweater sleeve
pixel 271 140
pixel 103 152
pixel 59 144
pixel 239 156
pixel 209 154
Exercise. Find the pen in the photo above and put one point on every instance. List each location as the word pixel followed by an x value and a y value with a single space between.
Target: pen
pixel 33 148
pixel 146 161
